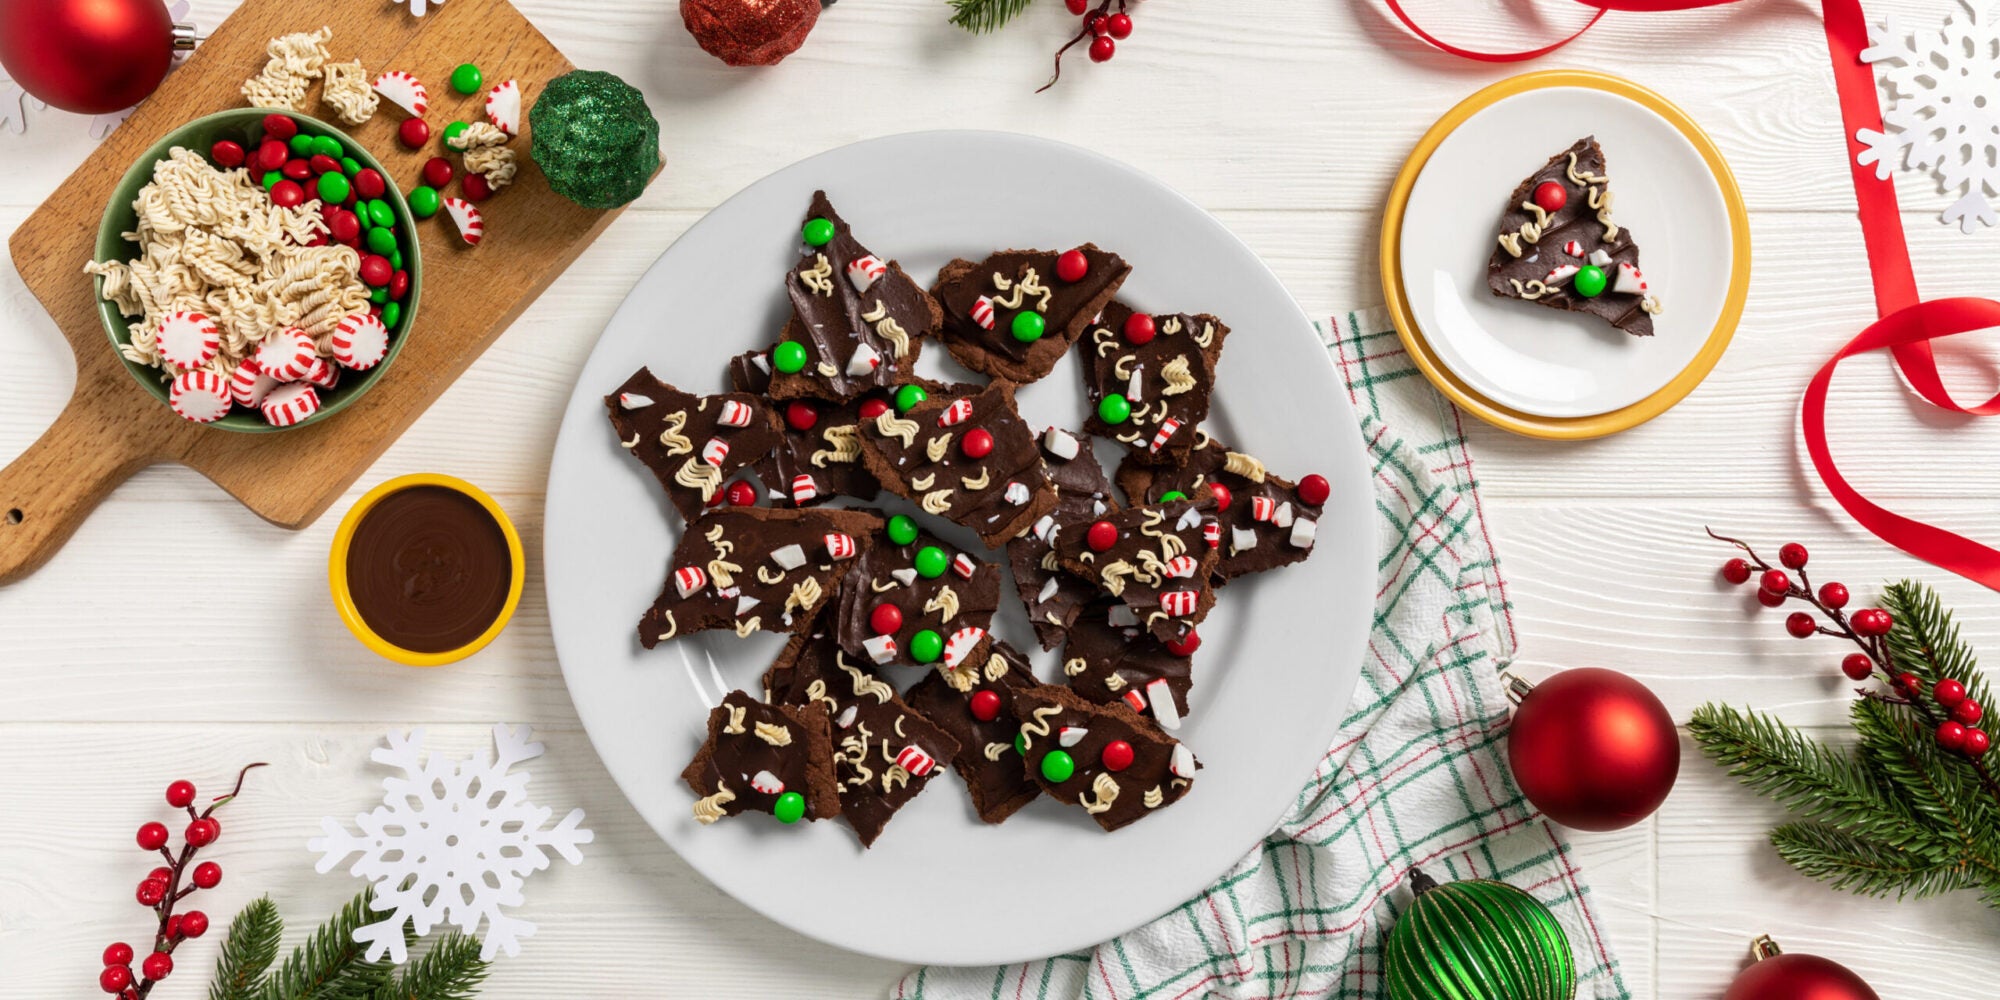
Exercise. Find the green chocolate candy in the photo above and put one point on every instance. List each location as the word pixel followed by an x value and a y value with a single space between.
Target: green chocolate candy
pixel 424 201
pixel 392 313
pixel 1021 743
pixel 350 166
pixel 1058 766
pixel 1172 495
pixel 926 646
pixel 396 259
pixel 333 188
pixel 466 78
pixel 381 241
pixel 379 295
pixel 931 562
pixel 902 529
pixel 789 357
pixel 909 396
pixel 790 807
pixel 453 131
pixel 818 232
pixel 271 178
pixel 380 213
pixel 1028 327
pixel 302 145
pixel 1590 281
pixel 327 146
pixel 1114 409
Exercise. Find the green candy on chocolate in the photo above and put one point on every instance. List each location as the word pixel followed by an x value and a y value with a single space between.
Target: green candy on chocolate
pixel 392 313
pixel 380 213
pixel 1590 281
pixel 818 232
pixel 466 78
pixel 424 201
pixel 1028 327
pixel 902 529
pixel 333 188
pixel 327 146
pixel 302 145
pixel 381 241
pixel 931 562
pixel 1172 495
pixel 789 357
pixel 1058 766
pixel 926 646
pixel 1021 743
pixel 909 396
pixel 790 807
pixel 1114 409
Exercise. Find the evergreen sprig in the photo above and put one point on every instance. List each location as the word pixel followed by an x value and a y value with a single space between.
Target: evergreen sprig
pixel 247 951
pixel 985 15
pixel 330 965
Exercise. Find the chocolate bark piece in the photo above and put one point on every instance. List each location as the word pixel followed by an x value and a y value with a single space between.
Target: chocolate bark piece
pixel 931 455
pixel 1261 527
pixel 747 568
pixel 934 586
pixel 1109 658
pixel 861 320
pixel 987 759
pixel 884 751
pixel 827 453
pixel 755 753
pixel 1158 562
pixel 981 300
pixel 693 444
pixel 1054 597
pixel 1162 370
pixel 1058 720
pixel 1541 251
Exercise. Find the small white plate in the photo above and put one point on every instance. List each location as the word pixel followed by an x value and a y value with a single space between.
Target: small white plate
pixel 1544 361
pixel 1281 652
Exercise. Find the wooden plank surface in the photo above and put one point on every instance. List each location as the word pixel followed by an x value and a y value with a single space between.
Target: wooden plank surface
pixel 1287 120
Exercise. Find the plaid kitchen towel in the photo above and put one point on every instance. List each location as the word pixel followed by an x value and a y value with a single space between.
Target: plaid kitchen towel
pixel 1417 776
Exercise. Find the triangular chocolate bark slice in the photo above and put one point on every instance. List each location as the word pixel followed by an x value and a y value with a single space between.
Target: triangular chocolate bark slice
pixel 1559 246
pixel 1015 314
pixel 858 321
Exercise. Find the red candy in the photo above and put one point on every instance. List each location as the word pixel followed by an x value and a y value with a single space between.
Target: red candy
pixel 985 705
pixel 740 493
pixel 226 154
pixel 1117 755
pixel 977 443
pixel 368 183
pixel 886 619
pixel 1551 196
pixel 1187 646
pixel 323 164
pixel 399 285
pixel 344 225
pixel 413 133
pixel 285 194
pixel 870 408
pixel 1314 490
pixel 437 172
pixel 475 187
pixel 1072 266
pixel 280 127
pixel 1103 535
pixel 1222 495
pixel 297 170
pixel 801 415
pixel 375 268
pixel 271 154
pixel 1139 328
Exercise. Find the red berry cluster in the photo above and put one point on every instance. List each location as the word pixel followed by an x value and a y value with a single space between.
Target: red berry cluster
pixel 161 890
pixel 1104 27
pixel 1956 714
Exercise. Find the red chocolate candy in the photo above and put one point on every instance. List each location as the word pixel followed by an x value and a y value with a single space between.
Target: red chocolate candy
pixel 271 154
pixel 872 408
pixel 1071 266
pixel 475 187
pixel 413 133
pixel 1551 196
pixel 344 225
pixel 280 127
pixel 399 284
pixel 801 415
pixel 375 268
pixel 985 705
pixel 977 443
pixel 285 194
pixel 226 154
pixel 1222 495
pixel 740 493
pixel 368 183
pixel 296 169
pixel 1314 489
pixel 323 164
pixel 1139 328
pixel 437 171
pixel 1102 536
pixel 1117 755
pixel 886 619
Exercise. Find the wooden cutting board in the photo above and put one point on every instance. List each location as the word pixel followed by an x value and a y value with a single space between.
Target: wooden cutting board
pixel 111 427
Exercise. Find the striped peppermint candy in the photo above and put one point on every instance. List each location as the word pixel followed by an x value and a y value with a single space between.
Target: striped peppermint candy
pixel 963 565
pixel 689 579
pixel 803 488
pixel 1182 762
pixel 767 783
pixel 187 339
pixel 1261 508
pixel 503 106
pixel 322 375
pixel 1211 532
pixel 957 413
pixel 404 91
pixel 880 648
pixel 1135 699
pixel 961 644
pixel 1573 248
pixel 1164 434
pixel 1060 443
pixel 471 226
pixel 1179 602
pixel 360 341
pixel 1560 274
pixel 839 545
pixel 200 396
pixel 289 404
pixel 248 385
pixel 1181 566
pixel 865 360
pixel 913 759
pixel 1069 736
pixel 735 413
pixel 864 272
pixel 1016 494
pixel 634 401
pixel 1628 280
pixel 982 313
pixel 714 450
pixel 286 355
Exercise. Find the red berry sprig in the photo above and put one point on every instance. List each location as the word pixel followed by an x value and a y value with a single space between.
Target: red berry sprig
pixel 1102 25
pixel 161 890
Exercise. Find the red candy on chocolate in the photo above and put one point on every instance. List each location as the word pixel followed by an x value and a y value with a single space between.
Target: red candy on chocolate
pixel 1222 495
pixel 399 284
pixel 414 133
pixel 977 443
pixel 475 187
pixel 1117 755
pixel 1103 535
pixel 1139 328
pixel 886 619
pixel 285 194
pixel 741 493
pixel 271 154
pixel 437 171
pixel 323 164
pixel 297 170
pixel 1314 489
pixel 1071 266
pixel 985 705
pixel 1187 646
pixel 368 183
pixel 1551 196
pixel 226 154
pixel 280 127
pixel 872 408
pixel 801 415
pixel 375 268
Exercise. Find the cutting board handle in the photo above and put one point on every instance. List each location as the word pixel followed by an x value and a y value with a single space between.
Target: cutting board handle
pixel 48 491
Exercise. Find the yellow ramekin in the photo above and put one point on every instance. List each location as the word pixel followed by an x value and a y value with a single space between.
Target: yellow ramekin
pixel 343 600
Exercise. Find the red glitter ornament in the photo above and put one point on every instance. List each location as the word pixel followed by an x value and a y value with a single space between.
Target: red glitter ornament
pixel 750 32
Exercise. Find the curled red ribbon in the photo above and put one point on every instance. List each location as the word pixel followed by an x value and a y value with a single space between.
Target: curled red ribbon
pixel 1906 324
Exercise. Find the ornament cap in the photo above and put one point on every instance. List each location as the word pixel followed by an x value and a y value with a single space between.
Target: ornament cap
pixel 1762 947
pixel 185 38
pixel 1517 688
pixel 1421 883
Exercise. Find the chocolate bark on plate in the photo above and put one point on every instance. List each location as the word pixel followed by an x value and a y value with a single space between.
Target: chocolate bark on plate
pixel 764 758
pixel 916 601
pixel 1014 314
pixel 1053 597
pixel 747 568
pixel 962 455
pixel 1559 247
pixel 1109 658
pixel 692 443
pixel 884 751
pixel 818 456
pixel 1156 559
pixel 980 716
pixel 1149 378
pixel 1267 521
pixel 858 321
pixel 1106 758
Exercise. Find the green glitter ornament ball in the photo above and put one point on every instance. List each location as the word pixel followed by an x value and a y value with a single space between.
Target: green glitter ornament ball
pixel 594 138
pixel 1477 938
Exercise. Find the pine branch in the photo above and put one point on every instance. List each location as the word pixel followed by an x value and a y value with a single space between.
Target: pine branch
pixel 1942 790
pixel 248 950
pixel 981 16
pixel 1868 867
pixel 329 966
pixel 451 970
pixel 1804 774
pixel 1926 642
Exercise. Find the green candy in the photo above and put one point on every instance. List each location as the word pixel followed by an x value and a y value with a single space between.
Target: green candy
pixel 1172 495
pixel 466 78
pixel 302 145
pixel 1021 743
pixel 271 178
pixel 818 232
pixel 1028 327
pixel 789 357
pixel 453 131
pixel 333 188
pixel 392 313
pixel 379 295
pixel 902 529
pixel 424 201
pixel 909 396
pixel 380 213
pixel 327 146
pixel 350 166
pixel 1590 281
pixel 926 646
pixel 1058 766
pixel 1114 409
pixel 790 807
pixel 932 562
pixel 381 241
pixel 396 259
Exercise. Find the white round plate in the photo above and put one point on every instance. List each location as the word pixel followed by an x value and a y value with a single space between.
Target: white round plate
pixel 1544 361
pixel 1281 652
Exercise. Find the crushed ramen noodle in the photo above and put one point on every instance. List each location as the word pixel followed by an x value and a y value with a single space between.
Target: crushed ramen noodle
pixel 347 92
pixel 486 154
pixel 210 241
pixel 295 62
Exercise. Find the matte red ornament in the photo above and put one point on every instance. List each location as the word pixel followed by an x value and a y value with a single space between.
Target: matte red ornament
pixel 1774 975
pixel 86 56
pixel 750 32
pixel 1593 748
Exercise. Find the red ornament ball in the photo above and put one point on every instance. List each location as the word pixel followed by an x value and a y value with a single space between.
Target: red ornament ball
pixel 180 794
pixel 118 953
pixel 1948 692
pixel 1314 489
pixel 985 705
pixel 1594 749
pixel 741 494
pixel 1857 666
pixel 194 924
pixel 158 965
pixel 1833 595
pixel 801 415
pixel 1102 535
pixel 1792 555
pixel 1774 581
pixel 86 56
pixel 1801 625
pixel 1778 976
pixel 114 979
pixel 1967 712
pixel 1551 196
pixel 1071 266
pixel 152 836
pixel 1736 570
pixel 1102 48
pixel 414 132
pixel 977 443
pixel 1976 743
pixel 1117 755
pixel 886 619
pixel 750 32
pixel 1770 598
pixel 1139 328
pixel 207 875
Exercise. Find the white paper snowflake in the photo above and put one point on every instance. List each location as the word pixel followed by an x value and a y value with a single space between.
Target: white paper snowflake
pixel 14 105
pixel 417 7
pixel 451 843
pixel 1944 112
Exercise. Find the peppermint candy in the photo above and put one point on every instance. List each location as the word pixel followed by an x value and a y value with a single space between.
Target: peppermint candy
pixel 1045 529
pixel 1601 257
pixel 982 313
pixel 766 782
pixel 322 375
pixel 745 604
pixel 913 759
pixel 804 489
pixel 1303 531
pixel 1121 616
pixel 628 400
pixel 1016 494
pixel 1181 566
pixel 1179 603
pixel 839 545
pixel 1560 274
pixel 714 450
pixel 1282 517
pixel 864 272
pixel 1135 699
pixel 1628 280
pixel 1211 532
pixel 689 579
pixel 865 360
pixel 957 413
pixel 735 413
pixel 187 339
pixel 1241 540
pixel 471 225
pixel 846 717
pixel 1060 443
pixel 789 557
pixel 961 644
pixel 1164 709
pixel 963 565
pixel 1261 508
pixel 503 106
pixel 360 342
pixel 200 396
pixel 1182 762
pixel 289 404
pixel 286 355
pixel 404 91
pixel 248 385
pixel 880 648
pixel 1164 434
pixel 1069 736
pixel 1573 248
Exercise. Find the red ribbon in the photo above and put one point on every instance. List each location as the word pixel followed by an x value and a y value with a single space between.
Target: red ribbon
pixel 1906 324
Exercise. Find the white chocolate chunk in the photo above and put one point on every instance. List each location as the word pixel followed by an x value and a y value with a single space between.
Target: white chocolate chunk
pixel 1060 443
pixel 1303 530
pixel 789 556
pixel 1162 700
pixel 1241 540
pixel 634 401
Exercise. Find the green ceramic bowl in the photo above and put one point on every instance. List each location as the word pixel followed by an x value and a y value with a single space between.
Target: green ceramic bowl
pixel 244 125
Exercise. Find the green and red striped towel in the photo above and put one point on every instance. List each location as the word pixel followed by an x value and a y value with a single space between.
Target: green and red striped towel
pixel 1416 778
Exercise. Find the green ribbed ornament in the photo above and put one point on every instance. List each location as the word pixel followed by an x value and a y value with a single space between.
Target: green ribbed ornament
pixel 1477 940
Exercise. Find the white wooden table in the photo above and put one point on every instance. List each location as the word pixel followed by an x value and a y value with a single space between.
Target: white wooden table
pixel 176 635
